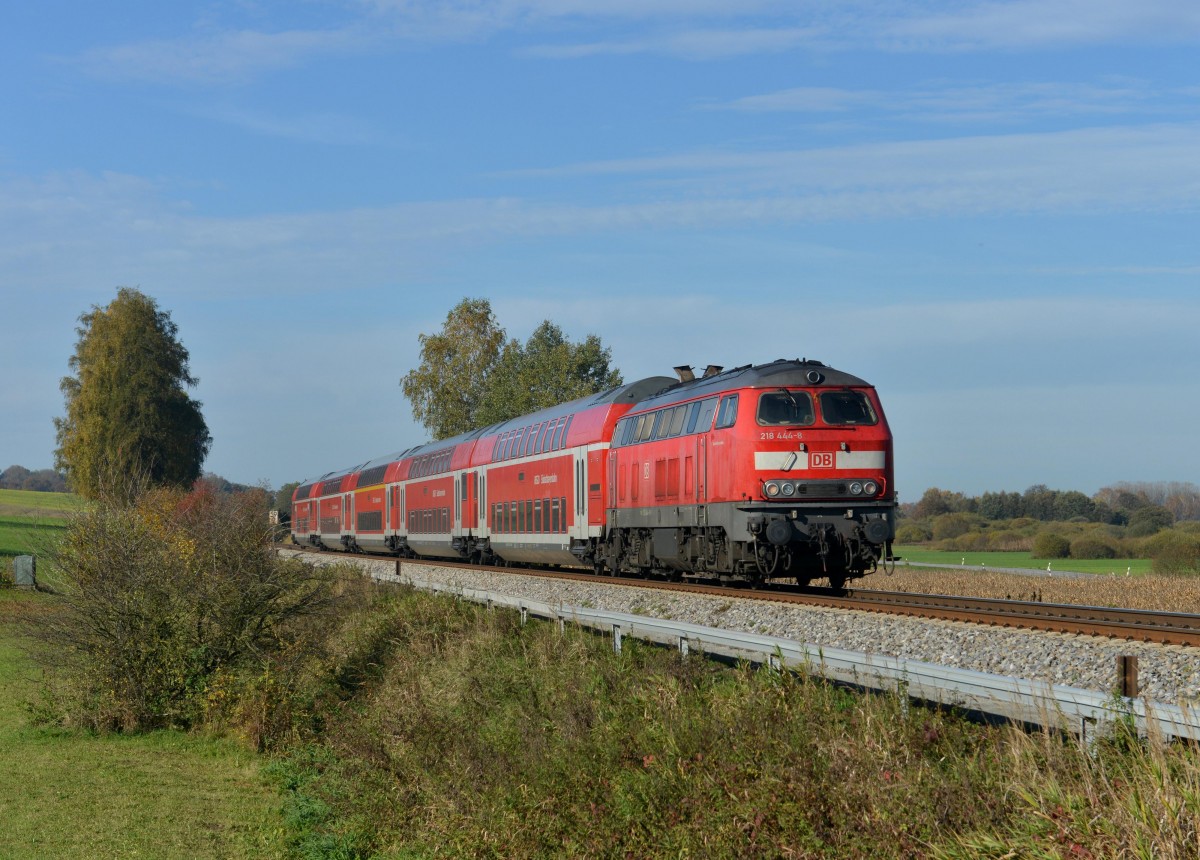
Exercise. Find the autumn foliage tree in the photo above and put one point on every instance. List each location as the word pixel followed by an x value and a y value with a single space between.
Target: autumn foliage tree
pixel 471 375
pixel 127 407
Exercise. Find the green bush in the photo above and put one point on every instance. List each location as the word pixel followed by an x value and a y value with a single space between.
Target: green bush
pixel 1173 552
pixel 955 525
pixel 1090 546
pixel 1051 545
pixel 912 533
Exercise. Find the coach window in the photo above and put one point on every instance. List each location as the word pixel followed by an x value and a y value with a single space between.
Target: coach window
pixel 560 439
pixel 555 517
pixel 619 432
pixel 645 428
pixel 727 415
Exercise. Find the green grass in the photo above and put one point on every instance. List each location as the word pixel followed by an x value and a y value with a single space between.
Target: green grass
pixel 916 555
pixel 164 795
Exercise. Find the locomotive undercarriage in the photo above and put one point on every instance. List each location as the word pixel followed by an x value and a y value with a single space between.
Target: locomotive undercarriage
pixel 750 543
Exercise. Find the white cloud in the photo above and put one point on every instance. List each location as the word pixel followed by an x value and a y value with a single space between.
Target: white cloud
pixel 1043 23
pixel 221 57
pixel 692 30
pixel 978 104
pixel 77 229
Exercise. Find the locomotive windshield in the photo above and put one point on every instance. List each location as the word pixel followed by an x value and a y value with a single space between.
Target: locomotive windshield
pixel 785 408
pixel 846 407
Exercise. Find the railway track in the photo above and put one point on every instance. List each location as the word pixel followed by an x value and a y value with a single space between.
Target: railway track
pixel 1166 628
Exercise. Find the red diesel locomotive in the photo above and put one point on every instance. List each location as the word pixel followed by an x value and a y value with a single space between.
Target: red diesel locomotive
pixel 780 470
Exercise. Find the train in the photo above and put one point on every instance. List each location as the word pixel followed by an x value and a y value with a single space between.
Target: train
pixel 760 473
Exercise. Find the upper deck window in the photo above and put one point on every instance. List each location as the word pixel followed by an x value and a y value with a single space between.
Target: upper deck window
pixel 787 408
pixel 847 407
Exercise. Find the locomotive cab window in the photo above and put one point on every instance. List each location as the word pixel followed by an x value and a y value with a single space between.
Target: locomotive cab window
pixel 727 415
pixel 846 408
pixel 788 408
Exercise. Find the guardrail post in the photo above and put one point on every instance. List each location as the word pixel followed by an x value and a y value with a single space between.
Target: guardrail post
pixel 1127 676
pixel 562 626
pixel 617 638
pixel 683 646
pixel 524 616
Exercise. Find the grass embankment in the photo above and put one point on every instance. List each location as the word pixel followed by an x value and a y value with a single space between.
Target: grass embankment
pixel 465 734
pixel 916 555
pixel 159 795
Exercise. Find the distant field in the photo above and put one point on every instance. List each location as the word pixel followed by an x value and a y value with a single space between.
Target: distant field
pixel 26 503
pixel 916 555
pixel 29 520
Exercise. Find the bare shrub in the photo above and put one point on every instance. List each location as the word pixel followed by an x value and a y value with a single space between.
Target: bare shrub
pixel 157 597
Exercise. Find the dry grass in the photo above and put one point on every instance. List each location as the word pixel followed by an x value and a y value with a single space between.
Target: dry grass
pixel 1163 593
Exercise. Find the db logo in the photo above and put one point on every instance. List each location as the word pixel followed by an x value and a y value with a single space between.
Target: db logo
pixel 822 460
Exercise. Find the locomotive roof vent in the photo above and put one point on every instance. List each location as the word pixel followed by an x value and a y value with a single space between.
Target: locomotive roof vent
pixel 712 370
pixel 814 376
pixel 684 372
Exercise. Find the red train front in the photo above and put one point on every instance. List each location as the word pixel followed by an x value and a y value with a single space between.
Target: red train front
pixel 780 470
pixel 771 471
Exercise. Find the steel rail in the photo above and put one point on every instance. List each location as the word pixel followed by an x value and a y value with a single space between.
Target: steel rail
pixel 1167 628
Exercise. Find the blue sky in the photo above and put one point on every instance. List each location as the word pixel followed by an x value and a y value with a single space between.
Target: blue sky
pixel 987 209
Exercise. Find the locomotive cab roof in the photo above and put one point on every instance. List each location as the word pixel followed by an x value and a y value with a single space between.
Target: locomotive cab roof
pixel 782 373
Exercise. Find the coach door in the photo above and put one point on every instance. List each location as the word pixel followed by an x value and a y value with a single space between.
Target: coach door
pixel 347 511
pixel 579 521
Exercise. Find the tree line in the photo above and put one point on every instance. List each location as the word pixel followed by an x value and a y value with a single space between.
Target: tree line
pixel 1124 504
pixel 41 480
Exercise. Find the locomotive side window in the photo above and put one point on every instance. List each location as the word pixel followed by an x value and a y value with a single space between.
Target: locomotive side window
pixel 846 407
pixel 701 420
pixel 661 419
pixel 677 416
pixel 728 413
pixel 785 408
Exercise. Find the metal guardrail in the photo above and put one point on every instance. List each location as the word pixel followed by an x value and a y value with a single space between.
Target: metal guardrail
pixel 1084 712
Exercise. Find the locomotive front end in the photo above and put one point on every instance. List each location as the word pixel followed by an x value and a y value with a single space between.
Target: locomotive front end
pixel 820 501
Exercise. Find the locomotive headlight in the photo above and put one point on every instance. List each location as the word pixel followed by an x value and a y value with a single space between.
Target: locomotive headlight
pixel 856 488
pixel 772 489
pixel 870 488
pixel 789 489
